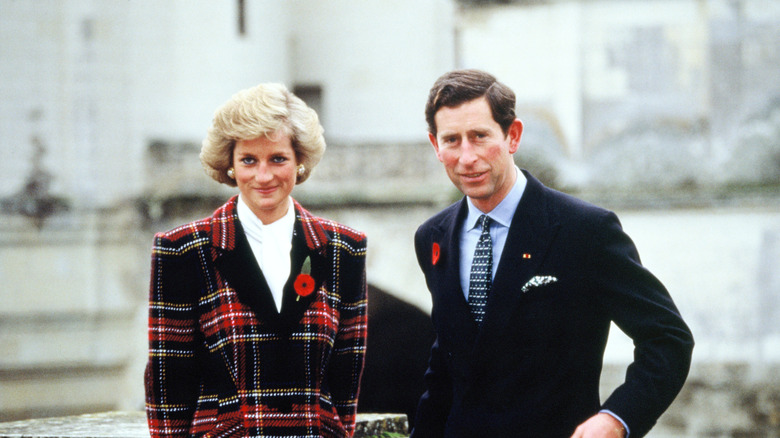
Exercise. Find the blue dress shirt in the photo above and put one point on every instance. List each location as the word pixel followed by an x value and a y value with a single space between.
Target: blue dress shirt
pixel 501 217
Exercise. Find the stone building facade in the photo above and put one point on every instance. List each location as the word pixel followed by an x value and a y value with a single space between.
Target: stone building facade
pixel 667 111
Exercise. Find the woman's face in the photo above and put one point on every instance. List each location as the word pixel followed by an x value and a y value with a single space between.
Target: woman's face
pixel 265 172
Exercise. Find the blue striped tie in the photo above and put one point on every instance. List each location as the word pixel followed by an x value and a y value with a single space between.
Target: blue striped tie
pixel 480 280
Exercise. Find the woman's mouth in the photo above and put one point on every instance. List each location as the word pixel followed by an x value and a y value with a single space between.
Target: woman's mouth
pixel 265 190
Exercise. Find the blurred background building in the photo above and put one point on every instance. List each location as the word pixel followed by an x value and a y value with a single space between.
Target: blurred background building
pixel 667 111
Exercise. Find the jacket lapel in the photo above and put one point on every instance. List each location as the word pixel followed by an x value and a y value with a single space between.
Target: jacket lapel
pixel 293 305
pixel 532 230
pixel 235 260
pixel 310 239
pixel 451 300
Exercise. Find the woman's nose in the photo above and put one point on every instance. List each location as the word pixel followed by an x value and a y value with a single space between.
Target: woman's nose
pixel 263 173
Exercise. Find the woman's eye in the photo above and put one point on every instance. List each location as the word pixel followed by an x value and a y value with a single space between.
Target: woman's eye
pixel 248 160
pixel 279 159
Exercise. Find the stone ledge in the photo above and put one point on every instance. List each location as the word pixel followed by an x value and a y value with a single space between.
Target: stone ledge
pixel 133 425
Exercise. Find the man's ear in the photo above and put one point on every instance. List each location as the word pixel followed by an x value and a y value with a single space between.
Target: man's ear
pixel 435 144
pixel 515 132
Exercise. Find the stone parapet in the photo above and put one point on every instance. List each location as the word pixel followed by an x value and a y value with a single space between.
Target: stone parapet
pixel 133 425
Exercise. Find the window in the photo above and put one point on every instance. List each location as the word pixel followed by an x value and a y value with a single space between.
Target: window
pixel 241 16
pixel 312 95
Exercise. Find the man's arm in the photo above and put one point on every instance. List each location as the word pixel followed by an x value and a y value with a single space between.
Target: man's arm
pixel 641 306
pixel 435 403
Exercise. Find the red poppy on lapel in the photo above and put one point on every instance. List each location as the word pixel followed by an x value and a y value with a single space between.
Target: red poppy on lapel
pixel 435 253
pixel 304 285
pixel 304 282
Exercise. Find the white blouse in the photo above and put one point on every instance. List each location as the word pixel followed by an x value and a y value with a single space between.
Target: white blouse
pixel 271 245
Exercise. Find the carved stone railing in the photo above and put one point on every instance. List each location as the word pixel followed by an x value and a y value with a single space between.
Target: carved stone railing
pixel 133 425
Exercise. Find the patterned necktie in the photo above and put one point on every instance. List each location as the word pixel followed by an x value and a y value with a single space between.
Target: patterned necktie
pixel 480 280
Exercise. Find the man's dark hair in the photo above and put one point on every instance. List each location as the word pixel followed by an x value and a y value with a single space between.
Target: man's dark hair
pixel 460 86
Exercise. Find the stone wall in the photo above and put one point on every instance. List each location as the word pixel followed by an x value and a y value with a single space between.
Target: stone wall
pixel 719 400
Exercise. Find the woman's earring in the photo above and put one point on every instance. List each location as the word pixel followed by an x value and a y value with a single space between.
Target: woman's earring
pixel 301 170
pixel 231 173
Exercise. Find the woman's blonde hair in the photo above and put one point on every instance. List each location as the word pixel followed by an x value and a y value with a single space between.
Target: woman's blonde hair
pixel 263 110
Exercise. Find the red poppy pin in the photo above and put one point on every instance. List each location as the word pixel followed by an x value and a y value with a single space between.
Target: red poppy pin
pixel 304 282
pixel 435 253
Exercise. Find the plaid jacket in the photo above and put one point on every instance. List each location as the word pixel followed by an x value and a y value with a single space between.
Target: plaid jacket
pixel 224 362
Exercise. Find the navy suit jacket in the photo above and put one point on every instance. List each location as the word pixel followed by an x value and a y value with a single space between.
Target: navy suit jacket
pixel 567 271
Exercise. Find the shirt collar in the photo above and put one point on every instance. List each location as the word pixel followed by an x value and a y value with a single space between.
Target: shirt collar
pixel 505 210
pixel 254 227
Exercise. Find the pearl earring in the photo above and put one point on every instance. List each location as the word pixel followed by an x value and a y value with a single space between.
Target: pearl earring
pixel 301 170
pixel 231 173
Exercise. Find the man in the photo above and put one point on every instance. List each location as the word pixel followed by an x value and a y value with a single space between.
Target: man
pixel 523 300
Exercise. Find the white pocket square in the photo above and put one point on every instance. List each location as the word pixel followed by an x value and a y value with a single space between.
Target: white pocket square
pixel 539 280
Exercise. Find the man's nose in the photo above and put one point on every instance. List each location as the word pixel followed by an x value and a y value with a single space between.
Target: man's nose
pixel 467 153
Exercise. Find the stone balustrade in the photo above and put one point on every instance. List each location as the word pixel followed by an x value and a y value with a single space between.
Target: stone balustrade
pixel 133 425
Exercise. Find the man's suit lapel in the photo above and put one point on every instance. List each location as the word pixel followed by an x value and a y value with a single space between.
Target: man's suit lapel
pixel 532 230
pixel 452 301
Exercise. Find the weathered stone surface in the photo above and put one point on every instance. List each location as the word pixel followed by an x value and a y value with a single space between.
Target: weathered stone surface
pixel 719 400
pixel 106 425
pixel 133 425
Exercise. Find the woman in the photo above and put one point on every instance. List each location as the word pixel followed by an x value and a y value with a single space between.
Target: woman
pixel 257 315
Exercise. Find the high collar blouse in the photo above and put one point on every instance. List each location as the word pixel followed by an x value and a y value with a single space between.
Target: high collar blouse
pixel 271 245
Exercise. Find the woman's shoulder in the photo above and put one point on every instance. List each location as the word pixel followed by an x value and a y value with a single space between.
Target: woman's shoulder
pixel 187 231
pixel 329 230
pixel 220 225
pixel 345 231
pixel 184 237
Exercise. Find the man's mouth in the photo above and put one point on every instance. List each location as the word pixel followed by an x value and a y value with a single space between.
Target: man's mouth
pixel 472 176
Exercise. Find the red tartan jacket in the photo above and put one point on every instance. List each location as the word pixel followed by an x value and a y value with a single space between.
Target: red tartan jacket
pixel 223 361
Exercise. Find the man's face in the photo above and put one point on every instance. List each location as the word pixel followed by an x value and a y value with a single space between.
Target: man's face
pixel 475 152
